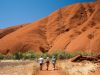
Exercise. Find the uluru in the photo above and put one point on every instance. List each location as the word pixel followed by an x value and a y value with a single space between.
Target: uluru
pixel 72 28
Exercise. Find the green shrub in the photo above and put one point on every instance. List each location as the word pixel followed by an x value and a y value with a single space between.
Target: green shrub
pixel 1 56
pixel 29 55
pixel 18 56
pixel 67 55
pixel 8 57
pixel 36 55
pixel 84 53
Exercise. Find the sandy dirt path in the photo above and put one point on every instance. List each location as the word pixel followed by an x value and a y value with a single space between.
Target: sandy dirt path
pixel 50 71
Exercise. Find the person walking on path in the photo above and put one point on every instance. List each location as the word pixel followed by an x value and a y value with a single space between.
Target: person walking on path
pixel 47 62
pixel 41 61
pixel 54 62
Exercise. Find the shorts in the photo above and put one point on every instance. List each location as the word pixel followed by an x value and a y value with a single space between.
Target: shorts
pixel 48 62
pixel 41 63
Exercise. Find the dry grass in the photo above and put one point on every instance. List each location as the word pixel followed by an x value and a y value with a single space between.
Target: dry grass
pixel 82 68
pixel 18 67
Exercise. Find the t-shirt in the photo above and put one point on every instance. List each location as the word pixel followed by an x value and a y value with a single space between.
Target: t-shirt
pixel 47 60
pixel 41 60
pixel 53 60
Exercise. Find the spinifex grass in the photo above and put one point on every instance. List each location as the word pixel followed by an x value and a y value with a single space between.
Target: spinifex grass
pixel 35 55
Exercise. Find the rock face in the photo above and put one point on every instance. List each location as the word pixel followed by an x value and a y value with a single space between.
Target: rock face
pixel 71 28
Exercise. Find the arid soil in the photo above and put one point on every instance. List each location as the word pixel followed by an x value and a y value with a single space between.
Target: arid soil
pixel 27 67
pixel 12 67
pixel 71 28
pixel 50 71
pixel 79 68
pixel 96 72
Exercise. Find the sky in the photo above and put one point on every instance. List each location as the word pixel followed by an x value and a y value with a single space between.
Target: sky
pixel 16 12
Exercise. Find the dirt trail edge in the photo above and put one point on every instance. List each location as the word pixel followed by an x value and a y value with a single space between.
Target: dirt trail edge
pixel 50 72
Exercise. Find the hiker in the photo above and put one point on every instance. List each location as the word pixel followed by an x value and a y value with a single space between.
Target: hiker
pixel 54 62
pixel 47 62
pixel 41 60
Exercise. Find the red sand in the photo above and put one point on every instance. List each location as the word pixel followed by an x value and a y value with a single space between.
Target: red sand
pixel 96 72
pixel 50 71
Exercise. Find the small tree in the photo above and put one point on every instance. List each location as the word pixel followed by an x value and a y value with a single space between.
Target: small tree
pixel 1 56
pixel 18 55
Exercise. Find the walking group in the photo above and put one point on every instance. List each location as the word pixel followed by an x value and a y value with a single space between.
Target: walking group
pixel 47 61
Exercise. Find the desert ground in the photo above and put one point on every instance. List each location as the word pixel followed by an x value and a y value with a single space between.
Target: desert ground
pixel 17 67
pixel 65 67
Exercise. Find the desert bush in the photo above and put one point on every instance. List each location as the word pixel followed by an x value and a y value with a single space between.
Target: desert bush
pixel 8 57
pixel 1 56
pixel 67 55
pixel 45 55
pixel 18 55
pixel 62 55
pixel 84 53
pixel 27 56
pixel 35 55
pixel 30 55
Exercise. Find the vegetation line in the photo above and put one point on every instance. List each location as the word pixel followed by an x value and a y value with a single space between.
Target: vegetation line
pixel 34 55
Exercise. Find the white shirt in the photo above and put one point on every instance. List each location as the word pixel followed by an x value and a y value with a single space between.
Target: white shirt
pixel 41 60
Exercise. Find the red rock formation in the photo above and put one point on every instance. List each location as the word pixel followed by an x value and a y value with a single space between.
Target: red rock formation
pixel 71 28
pixel 6 31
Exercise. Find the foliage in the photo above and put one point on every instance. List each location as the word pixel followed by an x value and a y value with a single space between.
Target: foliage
pixel 67 55
pixel 18 55
pixel 1 56
pixel 35 55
